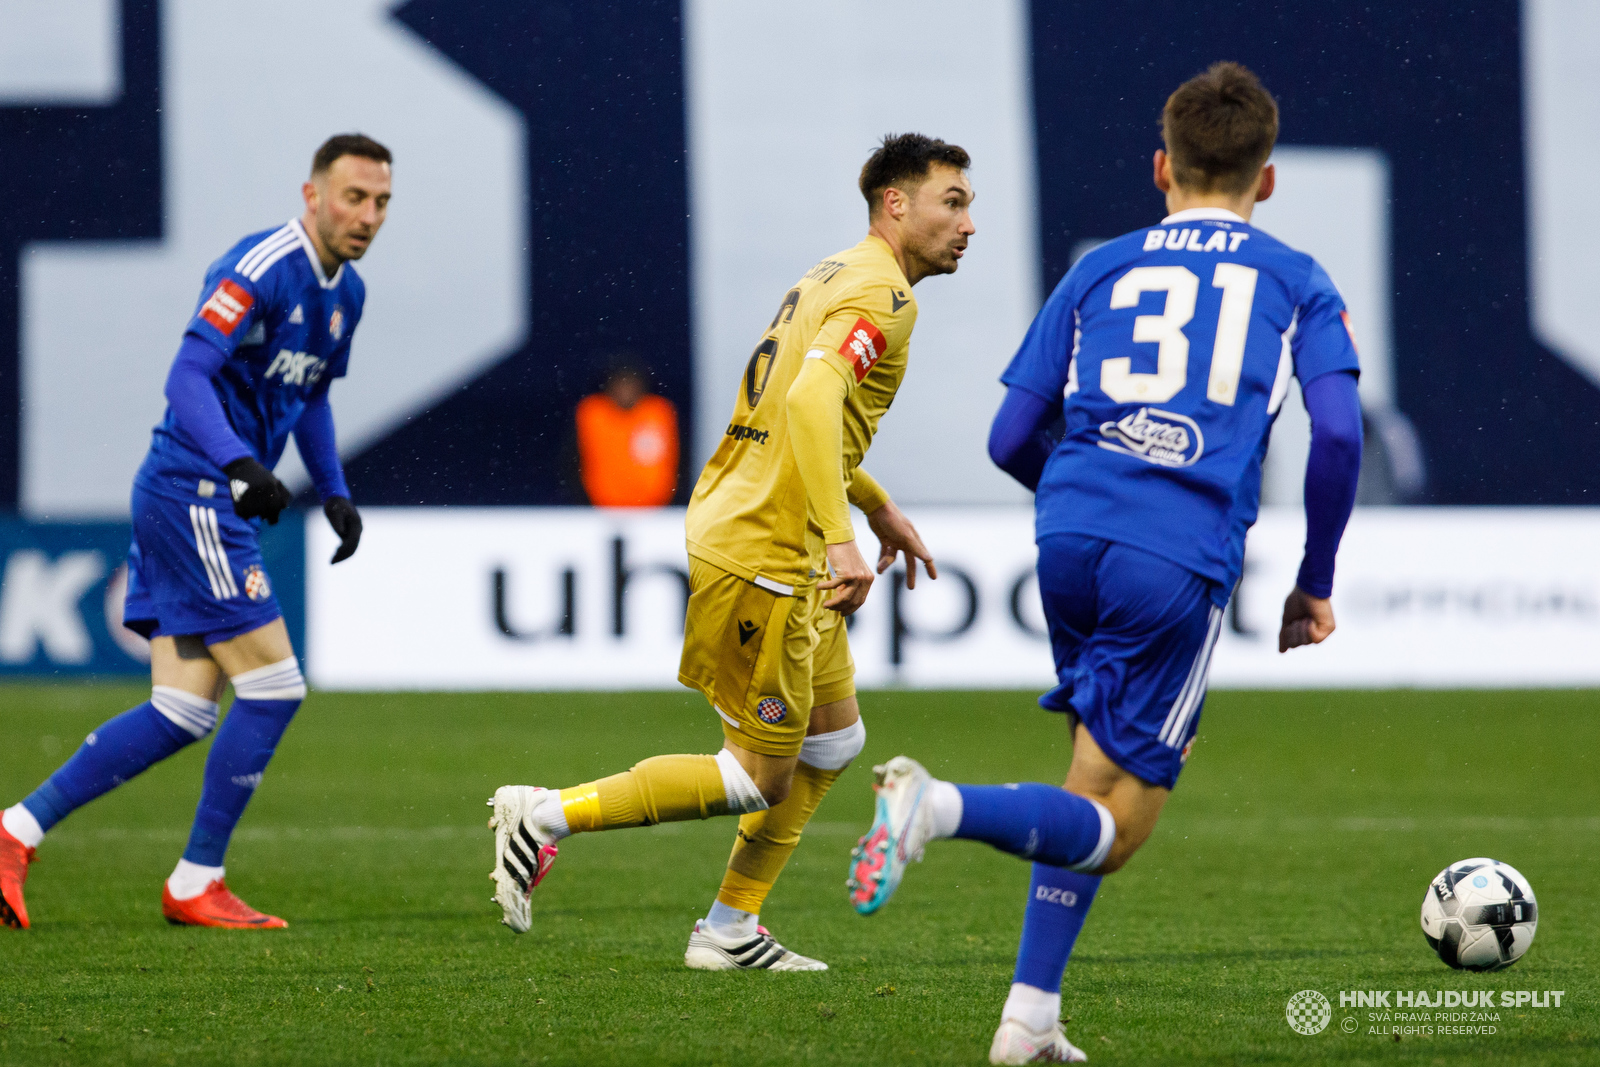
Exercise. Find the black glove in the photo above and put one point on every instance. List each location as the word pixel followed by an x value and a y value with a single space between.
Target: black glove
pixel 346 522
pixel 257 493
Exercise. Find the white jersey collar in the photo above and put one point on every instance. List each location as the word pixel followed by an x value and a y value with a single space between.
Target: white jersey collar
pixel 316 261
pixel 1204 214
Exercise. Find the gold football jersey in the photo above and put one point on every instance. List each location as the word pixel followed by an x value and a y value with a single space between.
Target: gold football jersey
pixel 749 513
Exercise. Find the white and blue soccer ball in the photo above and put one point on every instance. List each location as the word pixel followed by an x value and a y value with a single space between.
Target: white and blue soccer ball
pixel 1479 915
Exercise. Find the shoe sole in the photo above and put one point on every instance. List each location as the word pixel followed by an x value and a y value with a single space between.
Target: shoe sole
pixel 9 916
pixel 702 955
pixel 890 867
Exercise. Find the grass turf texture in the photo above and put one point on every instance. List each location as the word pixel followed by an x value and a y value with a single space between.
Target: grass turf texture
pixel 1293 855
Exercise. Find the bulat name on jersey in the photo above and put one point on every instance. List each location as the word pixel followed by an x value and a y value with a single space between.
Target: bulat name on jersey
pixel 747 433
pixel 296 368
pixel 1188 240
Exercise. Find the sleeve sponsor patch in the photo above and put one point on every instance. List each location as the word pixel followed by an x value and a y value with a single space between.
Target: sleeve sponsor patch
pixel 1349 329
pixel 227 306
pixel 863 347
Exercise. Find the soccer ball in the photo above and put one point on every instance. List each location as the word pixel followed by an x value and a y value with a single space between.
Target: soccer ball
pixel 1479 915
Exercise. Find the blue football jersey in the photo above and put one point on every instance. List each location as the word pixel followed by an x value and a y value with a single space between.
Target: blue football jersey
pixel 1172 349
pixel 286 329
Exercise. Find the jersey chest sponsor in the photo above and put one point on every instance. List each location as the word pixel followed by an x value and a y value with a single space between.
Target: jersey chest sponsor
pixel 295 368
pixel 747 433
pixel 1164 438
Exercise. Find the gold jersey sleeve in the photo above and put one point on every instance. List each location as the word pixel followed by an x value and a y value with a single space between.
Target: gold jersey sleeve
pixel 749 514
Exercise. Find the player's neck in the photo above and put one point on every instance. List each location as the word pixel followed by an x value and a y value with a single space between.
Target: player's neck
pixel 911 268
pixel 329 261
pixel 1241 204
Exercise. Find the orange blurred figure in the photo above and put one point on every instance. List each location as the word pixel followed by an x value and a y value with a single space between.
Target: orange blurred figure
pixel 628 444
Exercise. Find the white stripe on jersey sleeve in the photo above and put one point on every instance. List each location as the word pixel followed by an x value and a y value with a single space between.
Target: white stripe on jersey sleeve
pixel 266 264
pixel 264 247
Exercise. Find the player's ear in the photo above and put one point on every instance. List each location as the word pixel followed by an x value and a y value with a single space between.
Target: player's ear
pixel 308 192
pixel 1269 182
pixel 1163 171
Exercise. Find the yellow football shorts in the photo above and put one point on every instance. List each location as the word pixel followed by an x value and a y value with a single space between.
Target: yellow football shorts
pixel 763 659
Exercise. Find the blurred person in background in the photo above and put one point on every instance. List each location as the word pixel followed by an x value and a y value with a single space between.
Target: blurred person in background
pixel 628 443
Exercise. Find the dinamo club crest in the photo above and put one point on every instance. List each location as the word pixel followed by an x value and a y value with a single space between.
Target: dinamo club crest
pixel 256 586
pixel 336 324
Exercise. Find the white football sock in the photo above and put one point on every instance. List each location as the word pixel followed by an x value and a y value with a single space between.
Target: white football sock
pixel 944 801
pixel 189 880
pixel 1032 1007
pixel 551 816
pixel 731 922
pixel 20 824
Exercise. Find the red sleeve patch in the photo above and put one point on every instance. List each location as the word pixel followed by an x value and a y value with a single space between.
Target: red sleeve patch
pixel 1349 329
pixel 863 347
pixel 227 306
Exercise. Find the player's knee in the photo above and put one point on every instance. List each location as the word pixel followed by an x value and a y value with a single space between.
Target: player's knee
pixel 275 681
pixel 1128 840
pixel 775 790
pixel 834 751
pixel 194 715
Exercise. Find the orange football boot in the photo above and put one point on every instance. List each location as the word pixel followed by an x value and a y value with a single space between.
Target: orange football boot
pixel 216 907
pixel 14 860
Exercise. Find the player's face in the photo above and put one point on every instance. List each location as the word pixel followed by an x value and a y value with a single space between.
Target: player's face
pixel 939 221
pixel 352 200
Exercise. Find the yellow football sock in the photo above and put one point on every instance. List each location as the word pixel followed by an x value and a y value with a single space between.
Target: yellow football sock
pixel 767 839
pixel 659 789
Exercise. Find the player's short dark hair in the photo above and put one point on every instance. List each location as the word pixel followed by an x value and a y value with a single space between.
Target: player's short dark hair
pixel 905 159
pixel 1220 127
pixel 347 144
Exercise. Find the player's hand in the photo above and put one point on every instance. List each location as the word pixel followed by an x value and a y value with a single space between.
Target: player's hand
pixel 897 535
pixel 256 491
pixel 346 522
pixel 851 576
pixel 1307 620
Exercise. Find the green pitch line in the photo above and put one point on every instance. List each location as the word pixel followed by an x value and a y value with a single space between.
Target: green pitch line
pixel 1293 855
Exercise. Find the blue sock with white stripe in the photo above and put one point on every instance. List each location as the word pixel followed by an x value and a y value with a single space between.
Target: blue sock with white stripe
pixel 265 699
pixel 120 749
pixel 1038 822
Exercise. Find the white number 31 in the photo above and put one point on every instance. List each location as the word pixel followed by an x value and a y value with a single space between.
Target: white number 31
pixel 1238 285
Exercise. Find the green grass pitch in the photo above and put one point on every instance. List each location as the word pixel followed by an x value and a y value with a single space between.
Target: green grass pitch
pixel 1293 855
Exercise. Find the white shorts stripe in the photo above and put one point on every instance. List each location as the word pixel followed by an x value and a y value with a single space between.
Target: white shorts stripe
pixel 222 555
pixel 264 247
pixel 1195 689
pixel 202 546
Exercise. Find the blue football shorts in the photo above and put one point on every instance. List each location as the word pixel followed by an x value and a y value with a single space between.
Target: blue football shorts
pixel 1132 635
pixel 195 567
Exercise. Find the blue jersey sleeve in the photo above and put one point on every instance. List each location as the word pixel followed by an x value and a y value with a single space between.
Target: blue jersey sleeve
pixel 231 304
pixel 1043 363
pixel 1322 342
